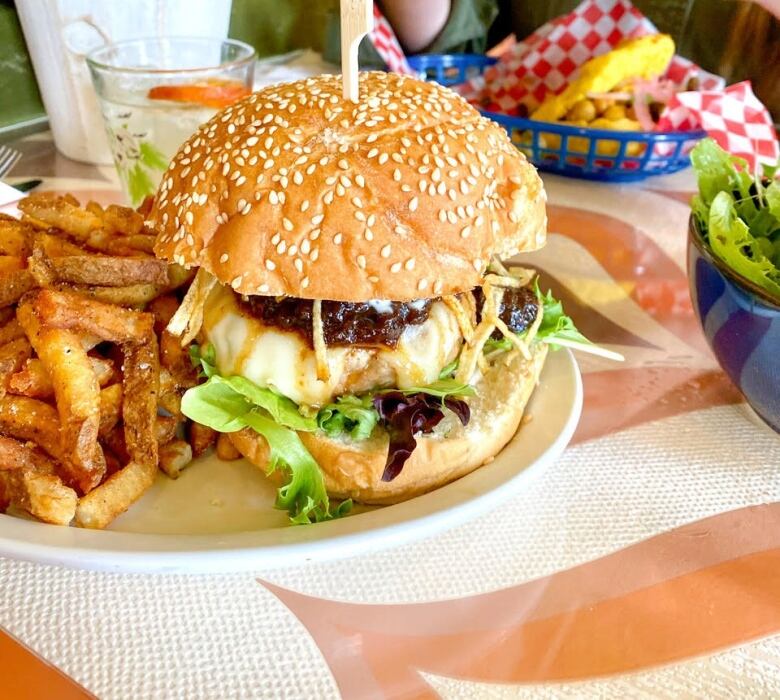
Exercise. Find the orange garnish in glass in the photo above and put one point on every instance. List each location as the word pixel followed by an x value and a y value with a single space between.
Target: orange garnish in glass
pixel 211 94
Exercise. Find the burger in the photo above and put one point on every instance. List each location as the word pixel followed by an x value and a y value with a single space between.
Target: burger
pixel 358 335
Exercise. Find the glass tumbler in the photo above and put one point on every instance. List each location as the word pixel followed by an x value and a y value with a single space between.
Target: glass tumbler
pixel 154 93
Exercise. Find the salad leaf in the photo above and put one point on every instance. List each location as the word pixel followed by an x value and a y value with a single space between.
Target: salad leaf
pixel 229 404
pixel 732 241
pixel 719 171
pixel 441 389
pixel 304 495
pixel 407 415
pixel 350 414
pixel 556 325
pixel 448 370
pixel 493 344
pixel 204 359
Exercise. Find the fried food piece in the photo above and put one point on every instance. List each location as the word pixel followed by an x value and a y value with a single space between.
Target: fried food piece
pixel 106 270
pixel 226 450
pixel 201 437
pixel 76 391
pixel 163 309
pixel 14 285
pixel 28 481
pixel 110 408
pixel 141 368
pixel 165 430
pixel 15 238
pixel 643 57
pixel 47 209
pixel 69 310
pixel 33 380
pixel 31 420
pixel 13 355
pixel 113 497
pixel 174 457
pixel 43 496
pixel 134 296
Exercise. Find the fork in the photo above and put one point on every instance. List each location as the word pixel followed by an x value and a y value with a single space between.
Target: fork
pixel 8 158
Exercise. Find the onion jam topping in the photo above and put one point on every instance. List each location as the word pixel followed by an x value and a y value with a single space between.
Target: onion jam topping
pixel 343 323
pixel 374 323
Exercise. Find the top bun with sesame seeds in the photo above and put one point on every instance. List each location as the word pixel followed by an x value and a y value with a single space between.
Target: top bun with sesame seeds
pixel 296 191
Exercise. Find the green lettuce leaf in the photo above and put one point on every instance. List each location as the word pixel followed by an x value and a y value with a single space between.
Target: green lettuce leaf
pixel 354 415
pixel 493 344
pixel 441 389
pixel 229 404
pixel 448 370
pixel 719 171
pixel 732 241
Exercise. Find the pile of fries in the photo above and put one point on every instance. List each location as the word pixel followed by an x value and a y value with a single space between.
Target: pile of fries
pixel 90 381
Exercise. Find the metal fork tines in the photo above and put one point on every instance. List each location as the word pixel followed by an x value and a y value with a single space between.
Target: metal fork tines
pixel 8 158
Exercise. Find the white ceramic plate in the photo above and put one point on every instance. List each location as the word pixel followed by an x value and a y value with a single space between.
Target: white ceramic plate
pixel 219 516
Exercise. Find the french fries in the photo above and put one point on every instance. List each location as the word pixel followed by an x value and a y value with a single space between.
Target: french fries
pixel 86 364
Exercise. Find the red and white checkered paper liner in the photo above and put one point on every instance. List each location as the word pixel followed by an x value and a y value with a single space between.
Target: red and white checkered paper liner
pixel 546 61
pixel 387 45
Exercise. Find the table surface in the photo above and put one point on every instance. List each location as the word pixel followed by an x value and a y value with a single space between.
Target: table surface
pixel 644 563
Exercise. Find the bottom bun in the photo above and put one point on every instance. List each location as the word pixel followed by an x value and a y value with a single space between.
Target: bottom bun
pixel 354 469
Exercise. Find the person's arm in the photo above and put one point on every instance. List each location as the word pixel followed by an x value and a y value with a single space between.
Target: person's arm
pixel 416 23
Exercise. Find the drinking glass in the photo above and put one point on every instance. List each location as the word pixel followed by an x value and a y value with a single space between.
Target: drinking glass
pixel 155 93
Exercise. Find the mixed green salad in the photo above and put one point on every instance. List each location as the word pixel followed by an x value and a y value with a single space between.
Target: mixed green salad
pixel 738 213
pixel 229 404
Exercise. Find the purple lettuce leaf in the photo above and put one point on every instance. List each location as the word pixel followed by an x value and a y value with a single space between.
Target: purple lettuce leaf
pixel 405 416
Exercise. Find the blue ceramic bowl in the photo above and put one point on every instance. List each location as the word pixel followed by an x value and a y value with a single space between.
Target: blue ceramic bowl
pixel 742 324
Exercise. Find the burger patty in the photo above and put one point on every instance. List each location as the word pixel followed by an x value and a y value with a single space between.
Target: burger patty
pixel 375 322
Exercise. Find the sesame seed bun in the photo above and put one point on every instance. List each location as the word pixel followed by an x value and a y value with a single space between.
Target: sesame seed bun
pixel 354 469
pixel 296 191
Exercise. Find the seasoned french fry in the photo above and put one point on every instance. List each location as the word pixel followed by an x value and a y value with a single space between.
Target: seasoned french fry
pixel 110 408
pixel 15 238
pixel 162 308
pixel 14 285
pixel 10 263
pixel 55 246
pixel 165 429
pixel 10 330
pixel 33 380
pixel 108 271
pixel 226 450
pixel 13 355
pixel 174 457
pixel 134 296
pixel 201 437
pixel 70 311
pixel 30 419
pixel 76 391
pixel 113 497
pixel 15 454
pixel 44 496
pixel 51 210
pixel 139 411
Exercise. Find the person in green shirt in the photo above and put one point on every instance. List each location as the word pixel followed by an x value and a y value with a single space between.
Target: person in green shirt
pixel 738 40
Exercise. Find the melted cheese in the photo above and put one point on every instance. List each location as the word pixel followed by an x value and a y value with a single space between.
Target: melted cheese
pixel 283 361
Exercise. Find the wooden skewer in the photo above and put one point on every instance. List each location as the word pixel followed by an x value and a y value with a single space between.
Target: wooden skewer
pixel 357 19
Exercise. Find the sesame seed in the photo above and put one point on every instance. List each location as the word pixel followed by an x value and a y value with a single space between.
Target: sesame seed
pixel 409 264
pixel 413 202
pixel 437 287
pixel 298 263
pixel 386 250
pixel 304 205
pixel 315 234
pixel 281 247
pixel 305 246
pixel 478 265
pixel 288 225
pixel 270 265
pixel 236 283
pixel 263 288
pixel 305 282
pixel 337 239
pixel 343 164
pixel 188 218
pixel 395 267
pixel 223 258
pixel 464 233
pixel 361 261
pixel 246 208
pixel 422 284
pixel 360 180
pixel 315 254
pixel 273 197
pixel 268 164
pixel 383 159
